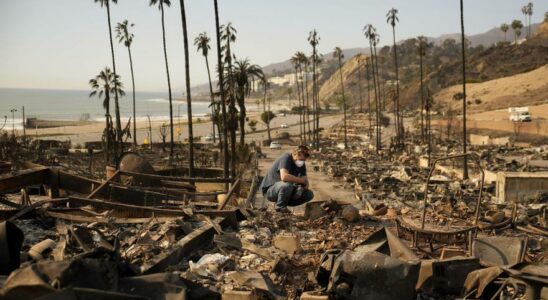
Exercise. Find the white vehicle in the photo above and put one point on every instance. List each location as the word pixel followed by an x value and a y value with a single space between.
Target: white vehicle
pixel 284 125
pixel 519 114
pixel 275 145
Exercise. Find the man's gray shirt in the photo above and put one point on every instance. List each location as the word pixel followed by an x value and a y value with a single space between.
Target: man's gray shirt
pixel 283 162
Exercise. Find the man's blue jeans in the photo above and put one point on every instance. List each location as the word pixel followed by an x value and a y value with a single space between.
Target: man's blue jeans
pixel 282 193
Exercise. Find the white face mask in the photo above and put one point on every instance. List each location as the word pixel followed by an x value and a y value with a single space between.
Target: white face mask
pixel 299 163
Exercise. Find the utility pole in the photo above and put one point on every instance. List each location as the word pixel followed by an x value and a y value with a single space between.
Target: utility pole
pixel 13 110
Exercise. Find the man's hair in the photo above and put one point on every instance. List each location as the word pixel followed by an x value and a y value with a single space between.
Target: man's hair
pixel 301 149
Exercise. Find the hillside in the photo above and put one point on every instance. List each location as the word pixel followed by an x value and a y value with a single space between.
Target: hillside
pixel 486 39
pixel 521 67
pixel 530 88
pixel 332 85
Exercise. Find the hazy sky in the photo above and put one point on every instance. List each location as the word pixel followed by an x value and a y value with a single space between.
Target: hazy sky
pixel 61 44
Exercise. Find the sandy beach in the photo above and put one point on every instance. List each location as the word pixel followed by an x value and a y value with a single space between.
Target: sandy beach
pixel 202 127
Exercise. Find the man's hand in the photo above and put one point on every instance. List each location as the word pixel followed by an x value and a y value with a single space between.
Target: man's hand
pixel 286 177
pixel 306 184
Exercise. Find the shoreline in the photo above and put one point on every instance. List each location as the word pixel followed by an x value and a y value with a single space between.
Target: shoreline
pixel 87 131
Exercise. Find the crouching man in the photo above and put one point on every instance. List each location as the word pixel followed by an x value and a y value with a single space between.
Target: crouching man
pixel 286 182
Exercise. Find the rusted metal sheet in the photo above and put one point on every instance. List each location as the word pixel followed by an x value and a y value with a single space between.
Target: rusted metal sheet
pixel 373 275
pixel 191 242
pixel 499 250
pixel 177 178
pixel 449 275
pixel 22 179
pixel 385 242
pixel 34 281
pixel 11 239
pixel 76 216
pixel 75 183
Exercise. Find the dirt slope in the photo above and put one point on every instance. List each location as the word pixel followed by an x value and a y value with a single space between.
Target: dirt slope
pixel 530 88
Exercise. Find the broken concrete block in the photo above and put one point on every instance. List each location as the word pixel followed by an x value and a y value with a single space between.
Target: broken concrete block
pixel 288 242
pixel 239 295
pixel 313 210
pixel 313 296
pixel 350 213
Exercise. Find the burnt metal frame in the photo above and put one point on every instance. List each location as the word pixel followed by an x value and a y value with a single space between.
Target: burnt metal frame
pixel 467 233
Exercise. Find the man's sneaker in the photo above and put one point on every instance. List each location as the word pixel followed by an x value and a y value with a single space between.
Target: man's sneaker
pixel 283 210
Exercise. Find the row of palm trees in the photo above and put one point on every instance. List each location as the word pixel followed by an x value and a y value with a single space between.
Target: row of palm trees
pixel 517 25
pixel 308 126
pixel 372 63
pixel 234 85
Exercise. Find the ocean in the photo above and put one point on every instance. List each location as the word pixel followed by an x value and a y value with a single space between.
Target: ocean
pixel 77 105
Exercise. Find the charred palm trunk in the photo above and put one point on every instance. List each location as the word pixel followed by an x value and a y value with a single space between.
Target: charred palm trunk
pixel 422 91
pixel 232 111
pixel 116 107
pixel 212 101
pixel 242 118
pixel 299 99
pixel 376 97
pixel 317 114
pixel 314 92
pixel 107 126
pixel 133 92
pixel 360 83
pixel 222 92
pixel 367 74
pixel 308 138
pixel 344 103
pixel 267 113
pixel 465 162
pixel 399 130
pixel 171 145
pixel 188 96
pixel 376 74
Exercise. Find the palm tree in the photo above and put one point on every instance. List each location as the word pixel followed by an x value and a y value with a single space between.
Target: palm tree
pixel 188 96
pixel 295 61
pixel 360 84
pixel 221 90
pixel 314 40
pixel 527 11
pixel 368 76
pixel 338 54
pixel 318 59
pixel 116 105
pixel 465 163
pixel 126 37
pixel 202 44
pixel 371 34
pixel 161 4
pixel 516 26
pixel 106 84
pixel 392 19
pixel 306 112
pixel 244 73
pixel 228 35
pixel 504 28
pixel 421 49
